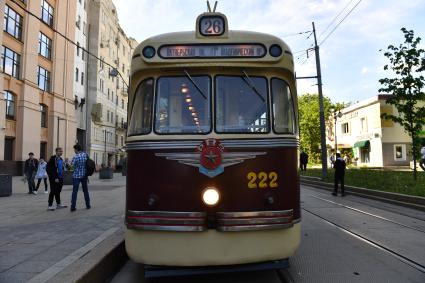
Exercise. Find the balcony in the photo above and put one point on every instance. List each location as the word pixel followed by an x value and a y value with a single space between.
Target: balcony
pixel 121 126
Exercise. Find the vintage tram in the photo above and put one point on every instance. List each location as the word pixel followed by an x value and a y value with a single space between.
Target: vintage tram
pixel 212 148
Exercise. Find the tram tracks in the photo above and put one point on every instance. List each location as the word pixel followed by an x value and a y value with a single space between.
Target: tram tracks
pixel 371 242
pixel 371 214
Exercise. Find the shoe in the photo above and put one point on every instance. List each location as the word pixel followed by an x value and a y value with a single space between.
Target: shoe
pixel 59 206
pixel 51 208
pixel 30 193
pixel 73 209
pixel 46 191
pixel 88 207
pixel 34 192
pixel 334 194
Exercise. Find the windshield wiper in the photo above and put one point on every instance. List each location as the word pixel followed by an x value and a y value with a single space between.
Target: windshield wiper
pixel 194 83
pixel 251 84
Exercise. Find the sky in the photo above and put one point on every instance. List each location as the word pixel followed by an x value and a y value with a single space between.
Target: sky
pixel 351 60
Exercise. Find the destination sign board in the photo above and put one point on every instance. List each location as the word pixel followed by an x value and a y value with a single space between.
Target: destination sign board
pixel 212 51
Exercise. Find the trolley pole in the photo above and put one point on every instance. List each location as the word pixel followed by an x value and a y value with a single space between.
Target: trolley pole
pixel 322 112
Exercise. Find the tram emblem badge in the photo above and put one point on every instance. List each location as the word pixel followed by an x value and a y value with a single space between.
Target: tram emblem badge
pixel 210 157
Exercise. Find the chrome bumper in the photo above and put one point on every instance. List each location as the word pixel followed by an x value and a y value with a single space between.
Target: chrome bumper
pixel 197 221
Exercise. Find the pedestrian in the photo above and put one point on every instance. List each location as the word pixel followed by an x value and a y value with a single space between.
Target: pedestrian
pixel 339 166
pixel 55 170
pixel 31 166
pixel 79 163
pixel 303 160
pixel 332 159
pixel 41 175
pixel 422 161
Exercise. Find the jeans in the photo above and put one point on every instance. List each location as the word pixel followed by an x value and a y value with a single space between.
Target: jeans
pixel 30 179
pixel 39 182
pixel 75 185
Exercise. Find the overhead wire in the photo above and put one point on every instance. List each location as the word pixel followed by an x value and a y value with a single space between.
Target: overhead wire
pixel 340 22
pixel 335 18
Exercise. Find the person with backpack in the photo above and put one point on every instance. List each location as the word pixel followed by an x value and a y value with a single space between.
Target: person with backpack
pixel 55 170
pixel 339 166
pixel 79 162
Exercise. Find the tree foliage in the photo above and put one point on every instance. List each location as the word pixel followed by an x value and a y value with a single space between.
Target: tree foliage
pixel 308 106
pixel 406 87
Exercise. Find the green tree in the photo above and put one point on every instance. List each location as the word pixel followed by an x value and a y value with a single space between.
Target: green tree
pixel 406 87
pixel 308 105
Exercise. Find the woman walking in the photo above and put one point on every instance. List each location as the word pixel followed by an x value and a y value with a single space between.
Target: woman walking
pixel 41 174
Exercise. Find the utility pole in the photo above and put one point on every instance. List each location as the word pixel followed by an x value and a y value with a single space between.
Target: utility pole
pixel 322 112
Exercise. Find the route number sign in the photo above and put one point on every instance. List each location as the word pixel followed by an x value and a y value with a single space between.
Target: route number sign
pixel 212 25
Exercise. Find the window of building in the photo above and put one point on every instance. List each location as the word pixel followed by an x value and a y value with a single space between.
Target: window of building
pixel 345 129
pixel 76 74
pixel 363 125
pixel 78 23
pixel 399 152
pixel 82 78
pixel 116 99
pixel 43 111
pixel 122 140
pixel 107 116
pixel 10 104
pixel 44 46
pixel 12 22
pixel 78 49
pixel 84 28
pixel 122 103
pixel 47 12
pixel 112 96
pixel 43 79
pixel 8 148
pixel 10 62
pixel 83 54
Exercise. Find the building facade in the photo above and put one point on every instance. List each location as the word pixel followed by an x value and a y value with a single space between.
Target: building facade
pixel 373 142
pixel 80 71
pixel 36 79
pixel 108 80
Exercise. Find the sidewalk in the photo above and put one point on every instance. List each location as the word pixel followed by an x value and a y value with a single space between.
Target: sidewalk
pixel 33 239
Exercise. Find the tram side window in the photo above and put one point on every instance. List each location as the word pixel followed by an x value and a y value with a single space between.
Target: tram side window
pixel 283 107
pixel 241 105
pixel 182 105
pixel 141 113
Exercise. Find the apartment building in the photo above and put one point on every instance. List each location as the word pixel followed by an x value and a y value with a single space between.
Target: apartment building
pixel 108 81
pixel 80 70
pixel 374 142
pixel 36 80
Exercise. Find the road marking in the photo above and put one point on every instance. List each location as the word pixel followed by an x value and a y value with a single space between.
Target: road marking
pixel 49 273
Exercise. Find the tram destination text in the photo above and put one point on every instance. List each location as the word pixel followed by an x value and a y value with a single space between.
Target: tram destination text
pixel 212 51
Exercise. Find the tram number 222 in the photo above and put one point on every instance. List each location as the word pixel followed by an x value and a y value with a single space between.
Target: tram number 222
pixel 262 180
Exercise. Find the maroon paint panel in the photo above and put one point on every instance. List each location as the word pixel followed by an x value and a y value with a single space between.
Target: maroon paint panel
pixel 179 187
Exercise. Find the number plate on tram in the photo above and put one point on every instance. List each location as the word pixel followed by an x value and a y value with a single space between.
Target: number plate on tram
pixel 211 25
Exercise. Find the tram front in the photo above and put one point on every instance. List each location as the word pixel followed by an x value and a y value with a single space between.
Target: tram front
pixel 212 148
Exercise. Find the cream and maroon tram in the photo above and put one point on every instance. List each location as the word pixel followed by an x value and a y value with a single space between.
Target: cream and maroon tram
pixel 212 148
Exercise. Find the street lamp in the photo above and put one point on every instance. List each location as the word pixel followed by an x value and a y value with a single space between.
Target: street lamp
pixel 336 115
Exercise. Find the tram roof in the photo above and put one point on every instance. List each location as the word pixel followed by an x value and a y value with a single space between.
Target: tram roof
pixel 191 37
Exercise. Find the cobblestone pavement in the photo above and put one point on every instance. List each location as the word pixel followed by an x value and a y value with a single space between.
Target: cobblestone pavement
pixel 33 239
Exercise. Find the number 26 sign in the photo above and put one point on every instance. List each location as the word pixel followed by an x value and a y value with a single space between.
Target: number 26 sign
pixel 211 25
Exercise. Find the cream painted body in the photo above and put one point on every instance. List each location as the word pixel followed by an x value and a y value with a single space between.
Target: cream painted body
pixel 211 247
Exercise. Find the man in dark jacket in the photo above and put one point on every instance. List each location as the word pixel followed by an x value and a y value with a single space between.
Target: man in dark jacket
pixel 339 166
pixel 303 160
pixel 56 171
pixel 31 166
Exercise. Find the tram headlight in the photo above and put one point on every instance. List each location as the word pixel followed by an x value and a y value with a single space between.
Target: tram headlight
pixel 275 50
pixel 210 196
pixel 148 52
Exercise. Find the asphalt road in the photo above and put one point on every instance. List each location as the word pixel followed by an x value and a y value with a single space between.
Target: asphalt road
pixel 349 239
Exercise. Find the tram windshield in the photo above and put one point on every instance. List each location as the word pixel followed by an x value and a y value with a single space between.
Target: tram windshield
pixel 241 104
pixel 183 105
